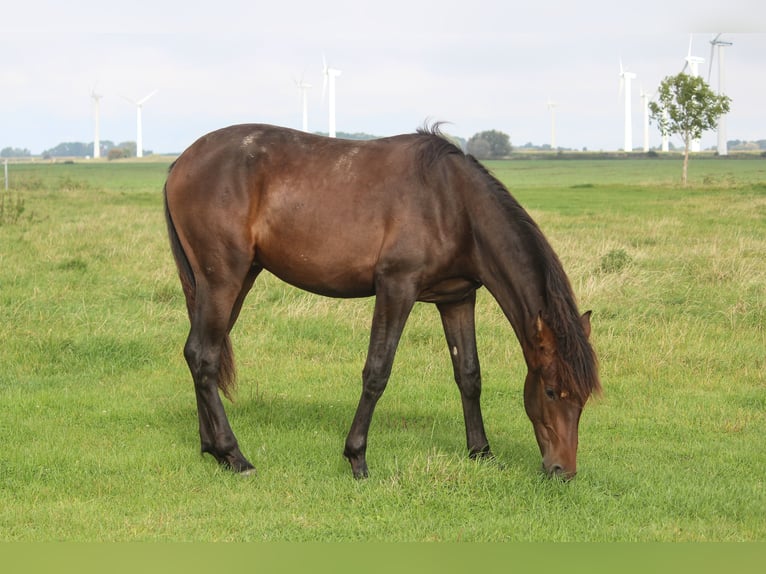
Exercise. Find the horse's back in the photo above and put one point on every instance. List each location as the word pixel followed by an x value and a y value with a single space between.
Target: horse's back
pixel 323 214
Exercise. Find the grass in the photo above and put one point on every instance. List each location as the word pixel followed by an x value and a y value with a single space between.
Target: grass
pixel 99 420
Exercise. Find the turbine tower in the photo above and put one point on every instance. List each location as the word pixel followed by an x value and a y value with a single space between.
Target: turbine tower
pixel 665 137
pixel 96 119
pixel 693 63
pixel 139 136
pixel 304 87
pixel 718 45
pixel 329 82
pixel 552 107
pixel 645 97
pixel 625 80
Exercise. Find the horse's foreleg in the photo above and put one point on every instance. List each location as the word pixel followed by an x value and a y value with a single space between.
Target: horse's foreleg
pixel 459 328
pixel 393 303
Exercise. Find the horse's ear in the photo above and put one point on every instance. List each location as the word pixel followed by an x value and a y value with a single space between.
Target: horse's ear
pixel 585 321
pixel 543 334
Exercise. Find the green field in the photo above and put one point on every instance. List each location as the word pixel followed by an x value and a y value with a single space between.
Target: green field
pixel 99 425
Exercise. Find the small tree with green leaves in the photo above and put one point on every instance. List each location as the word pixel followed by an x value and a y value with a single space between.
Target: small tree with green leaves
pixel 687 106
pixel 490 144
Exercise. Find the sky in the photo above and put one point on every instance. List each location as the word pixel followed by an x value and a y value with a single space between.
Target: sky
pixel 479 65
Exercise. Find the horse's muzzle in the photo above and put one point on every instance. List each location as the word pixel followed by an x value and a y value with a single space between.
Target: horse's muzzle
pixel 557 471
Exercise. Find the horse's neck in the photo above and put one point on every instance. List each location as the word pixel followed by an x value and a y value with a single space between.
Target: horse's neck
pixel 510 269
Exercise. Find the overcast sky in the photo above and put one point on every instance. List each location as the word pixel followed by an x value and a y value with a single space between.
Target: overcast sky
pixel 479 64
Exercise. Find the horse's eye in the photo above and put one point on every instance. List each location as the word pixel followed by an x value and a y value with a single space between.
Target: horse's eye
pixel 550 393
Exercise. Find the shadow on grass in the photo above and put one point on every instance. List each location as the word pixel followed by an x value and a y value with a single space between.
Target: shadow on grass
pixel 310 433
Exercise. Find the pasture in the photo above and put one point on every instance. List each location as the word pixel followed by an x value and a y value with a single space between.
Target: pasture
pixel 99 424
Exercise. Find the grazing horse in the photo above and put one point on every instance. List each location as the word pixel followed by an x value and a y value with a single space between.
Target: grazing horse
pixel 404 219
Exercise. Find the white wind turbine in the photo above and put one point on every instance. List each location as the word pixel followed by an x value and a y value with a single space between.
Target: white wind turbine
pixel 96 120
pixel 625 80
pixel 329 82
pixel 139 136
pixel 304 87
pixel 693 63
pixel 552 107
pixel 717 45
pixel 645 97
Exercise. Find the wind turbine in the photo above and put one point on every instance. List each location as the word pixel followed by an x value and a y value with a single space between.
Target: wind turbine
pixel 329 80
pixel 552 107
pixel 304 87
pixel 625 79
pixel 96 119
pixel 717 45
pixel 139 104
pixel 693 63
pixel 645 97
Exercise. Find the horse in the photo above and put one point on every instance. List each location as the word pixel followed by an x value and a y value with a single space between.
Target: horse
pixel 408 218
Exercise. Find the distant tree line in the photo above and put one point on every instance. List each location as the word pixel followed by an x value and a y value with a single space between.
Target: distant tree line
pixel 739 145
pixel 15 152
pixel 79 149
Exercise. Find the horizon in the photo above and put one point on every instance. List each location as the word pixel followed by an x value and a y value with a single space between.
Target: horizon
pixel 735 146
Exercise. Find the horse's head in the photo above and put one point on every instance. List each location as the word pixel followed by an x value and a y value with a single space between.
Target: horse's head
pixel 554 399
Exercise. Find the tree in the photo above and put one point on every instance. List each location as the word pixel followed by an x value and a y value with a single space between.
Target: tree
pixel 116 153
pixel 490 144
pixel 688 107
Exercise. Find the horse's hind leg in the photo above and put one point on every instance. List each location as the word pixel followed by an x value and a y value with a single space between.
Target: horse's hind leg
pixel 208 354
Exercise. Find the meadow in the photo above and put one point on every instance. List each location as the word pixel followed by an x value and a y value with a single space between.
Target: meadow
pixel 99 425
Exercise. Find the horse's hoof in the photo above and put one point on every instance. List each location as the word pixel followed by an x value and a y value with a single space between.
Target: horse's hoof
pixel 481 453
pixel 248 472
pixel 359 469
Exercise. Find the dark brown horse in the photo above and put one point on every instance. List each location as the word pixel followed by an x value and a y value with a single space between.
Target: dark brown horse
pixel 406 218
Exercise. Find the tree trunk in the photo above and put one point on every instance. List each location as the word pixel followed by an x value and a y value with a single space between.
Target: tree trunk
pixel 686 162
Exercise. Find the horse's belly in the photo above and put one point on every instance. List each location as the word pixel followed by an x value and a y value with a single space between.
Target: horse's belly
pixel 313 271
pixel 447 290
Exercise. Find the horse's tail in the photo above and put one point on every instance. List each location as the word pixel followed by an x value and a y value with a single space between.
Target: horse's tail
pixel 227 375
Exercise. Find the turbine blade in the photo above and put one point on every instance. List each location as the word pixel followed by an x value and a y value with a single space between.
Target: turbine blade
pixel 146 98
pixel 325 72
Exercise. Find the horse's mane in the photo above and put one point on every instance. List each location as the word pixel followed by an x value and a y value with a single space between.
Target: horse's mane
pixel 578 367
pixel 433 147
